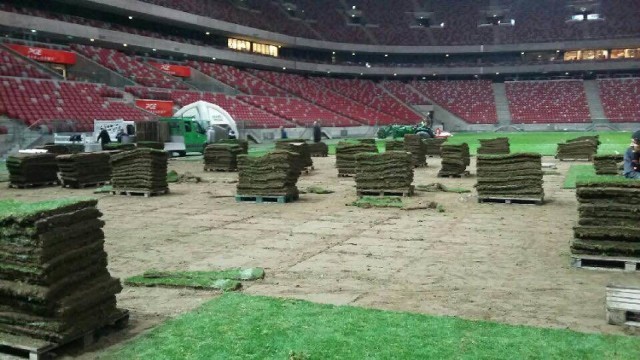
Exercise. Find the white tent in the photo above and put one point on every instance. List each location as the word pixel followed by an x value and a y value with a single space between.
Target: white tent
pixel 208 113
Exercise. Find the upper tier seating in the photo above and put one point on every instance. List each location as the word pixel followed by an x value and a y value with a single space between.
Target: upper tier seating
pixel 368 93
pixel 298 111
pixel 46 101
pixel 620 99
pixel 562 101
pixel 238 79
pixel 471 100
pixel 12 65
pixel 320 95
pixel 129 67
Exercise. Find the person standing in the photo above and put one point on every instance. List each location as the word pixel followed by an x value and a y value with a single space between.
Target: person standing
pixel 283 133
pixel 317 132
pixel 104 137
pixel 211 135
pixel 631 165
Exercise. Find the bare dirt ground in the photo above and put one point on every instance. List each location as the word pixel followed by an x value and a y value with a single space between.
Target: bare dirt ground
pixel 498 262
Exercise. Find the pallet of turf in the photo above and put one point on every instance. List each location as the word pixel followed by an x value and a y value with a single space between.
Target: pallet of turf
pixel 244 144
pixel 607 235
pixel 32 170
pixel 222 157
pixel 494 146
pixel 386 174
pixel 581 148
pixel 118 147
pixel 510 178
pixel 84 169
pixel 455 159
pixel 272 177
pixel 432 146
pixel 139 172
pixel 607 164
pixel 346 152
pixel 414 145
pixel 318 149
pixel 394 145
pixel 300 147
pixel 54 283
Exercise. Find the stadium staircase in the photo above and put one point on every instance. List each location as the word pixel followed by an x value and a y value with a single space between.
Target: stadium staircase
pixel 593 98
pixel 502 104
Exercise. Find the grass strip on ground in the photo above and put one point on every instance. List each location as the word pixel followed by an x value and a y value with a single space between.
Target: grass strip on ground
pixel 238 326
pixel 318 190
pixel 225 280
pixel 437 187
pixel 574 172
pixel 368 202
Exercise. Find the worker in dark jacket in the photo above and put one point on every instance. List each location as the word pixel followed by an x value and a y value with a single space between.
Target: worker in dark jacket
pixel 104 137
pixel 317 132
pixel 631 156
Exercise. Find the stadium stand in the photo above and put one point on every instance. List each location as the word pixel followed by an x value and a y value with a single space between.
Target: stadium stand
pixel 620 99
pixel 298 111
pixel 471 100
pixel 11 65
pixel 43 102
pixel 238 79
pixel 129 67
pixel 371 95
pixel 404 92
pixel 329 99
pixel 561 101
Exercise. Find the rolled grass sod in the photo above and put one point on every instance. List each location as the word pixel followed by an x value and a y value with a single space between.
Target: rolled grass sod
pixel 574 172
pixel 238 326
pixel 378 202
pixel 225 280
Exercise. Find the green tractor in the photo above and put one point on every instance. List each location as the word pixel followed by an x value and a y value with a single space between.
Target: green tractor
pixel 398 131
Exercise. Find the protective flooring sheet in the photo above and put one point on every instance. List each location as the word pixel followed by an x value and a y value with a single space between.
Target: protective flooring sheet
pixel 54 282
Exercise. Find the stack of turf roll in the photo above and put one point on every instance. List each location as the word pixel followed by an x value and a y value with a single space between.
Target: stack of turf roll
pixel 244 144
pixel 432 146
pixel 609 217
pixel 273 174
pixel 222 157
pixel 318 149
pixel 413 144
pixel 32 169
pixel 140 170
pixel 581 148
pixel 394 145
pixel 510 176
pixel 54 282
pixel 607 164
pixel 368 141
pixel 150 144
pixel 454 159
pixel 389 171
pixel 494 146
pixel 118 147
pixel 300 147
pixel 346 152
pixel 466 154
pixel 56 149
pixel 79 170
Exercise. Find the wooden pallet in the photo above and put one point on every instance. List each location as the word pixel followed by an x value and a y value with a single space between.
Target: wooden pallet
pixel 138 192
pixel 36 349
pixel 84 185
pixel 261 199
pixel 388 192
pixel 508 200
pixel 605 263
pixel 623 306
pixel 590 158
pixel 457 176
pixel 220 169
pixel 34 185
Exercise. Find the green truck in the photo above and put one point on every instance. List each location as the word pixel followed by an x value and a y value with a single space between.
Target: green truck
pixel 185 135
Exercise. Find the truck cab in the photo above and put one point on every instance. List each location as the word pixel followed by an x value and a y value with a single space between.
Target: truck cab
pixel 185 135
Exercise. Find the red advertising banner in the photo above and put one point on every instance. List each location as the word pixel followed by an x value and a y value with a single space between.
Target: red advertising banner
pixel 45 55
pixel 175 70
pixel 158 107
